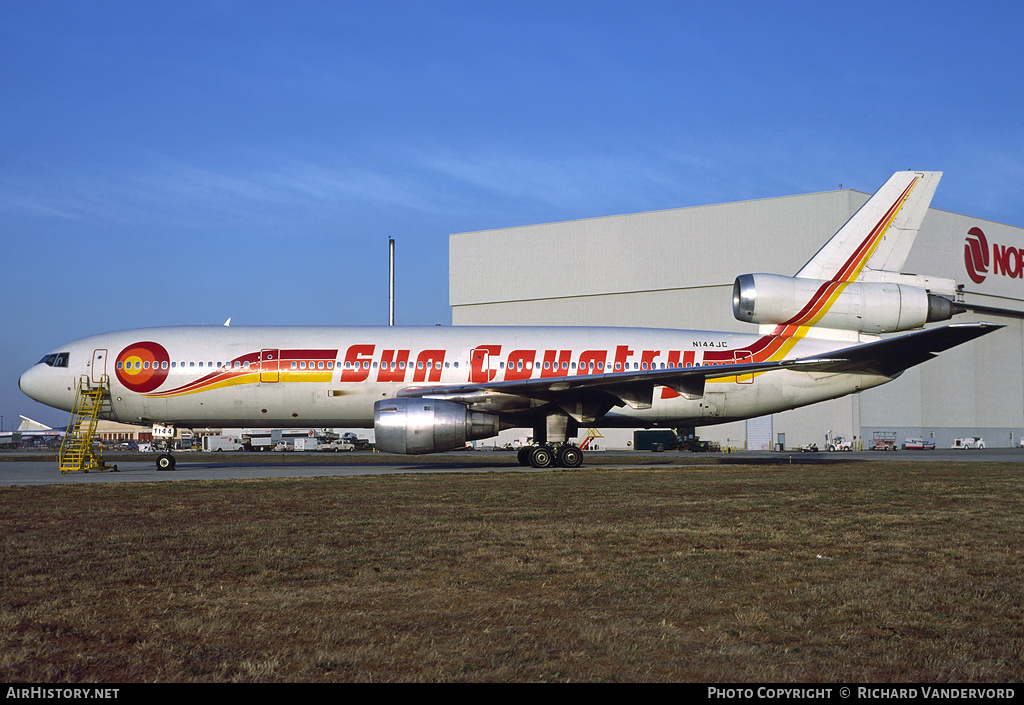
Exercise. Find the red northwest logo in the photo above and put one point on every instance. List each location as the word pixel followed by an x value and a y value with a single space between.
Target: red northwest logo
pixel 976 255
pixel 1007 261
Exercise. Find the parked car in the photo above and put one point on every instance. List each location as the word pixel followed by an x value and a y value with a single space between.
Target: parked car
pixel 335 446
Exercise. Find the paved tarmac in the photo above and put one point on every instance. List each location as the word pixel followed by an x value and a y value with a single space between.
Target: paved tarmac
pixel 41 469
pixel 236 467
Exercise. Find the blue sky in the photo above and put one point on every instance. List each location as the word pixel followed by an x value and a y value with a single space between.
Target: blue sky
pixel 180 163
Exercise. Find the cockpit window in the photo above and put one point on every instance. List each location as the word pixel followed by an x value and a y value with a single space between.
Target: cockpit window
pixel 55 360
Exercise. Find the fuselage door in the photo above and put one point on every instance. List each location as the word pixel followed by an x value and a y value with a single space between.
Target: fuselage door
pixel 744 357
pixel 480 365
pixel 99 365
pixel 269 369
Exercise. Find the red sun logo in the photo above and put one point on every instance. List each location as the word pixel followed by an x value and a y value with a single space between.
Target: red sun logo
pixel 142 367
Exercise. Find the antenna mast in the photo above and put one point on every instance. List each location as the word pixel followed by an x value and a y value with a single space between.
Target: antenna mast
pixel 391 281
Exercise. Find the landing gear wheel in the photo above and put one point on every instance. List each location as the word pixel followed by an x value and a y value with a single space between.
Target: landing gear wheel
pixel 569 456
pixel 541 457
pixel 165 461
pixel 523 456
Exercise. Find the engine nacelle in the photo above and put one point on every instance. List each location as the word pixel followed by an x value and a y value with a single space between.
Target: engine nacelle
pixel 413 426
pixel 864 307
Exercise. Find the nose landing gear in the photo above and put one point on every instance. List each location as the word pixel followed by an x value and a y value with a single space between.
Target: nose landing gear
pixel 165 461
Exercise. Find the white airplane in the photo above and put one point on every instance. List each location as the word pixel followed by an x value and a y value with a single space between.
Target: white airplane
pixel 30 429
pixel 433 389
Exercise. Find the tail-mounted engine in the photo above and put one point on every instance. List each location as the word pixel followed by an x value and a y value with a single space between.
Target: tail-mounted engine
pixel 416 425
pixel 865 307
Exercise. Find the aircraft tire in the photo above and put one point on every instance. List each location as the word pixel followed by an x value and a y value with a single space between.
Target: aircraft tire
pixel 569 456
pixel 541 457
pixel 165 461
pixel 523 456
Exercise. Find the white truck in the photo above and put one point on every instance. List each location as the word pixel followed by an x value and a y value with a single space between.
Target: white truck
pixel 221 443
pixel 969 443
pixel 264 440
pixel 308 443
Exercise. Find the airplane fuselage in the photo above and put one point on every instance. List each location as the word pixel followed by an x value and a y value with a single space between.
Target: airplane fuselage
pixel 331 376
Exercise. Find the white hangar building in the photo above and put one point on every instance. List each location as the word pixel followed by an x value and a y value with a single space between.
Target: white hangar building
pixel 675 269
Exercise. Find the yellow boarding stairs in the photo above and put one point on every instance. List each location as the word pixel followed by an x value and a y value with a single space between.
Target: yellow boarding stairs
pixel 76 451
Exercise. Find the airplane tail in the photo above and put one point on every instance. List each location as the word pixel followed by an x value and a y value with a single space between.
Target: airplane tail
pixel 878 237
pixel 28 424
pixel 853 285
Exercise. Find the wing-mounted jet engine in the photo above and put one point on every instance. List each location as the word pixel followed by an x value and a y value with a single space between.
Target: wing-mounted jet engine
pixel 414 426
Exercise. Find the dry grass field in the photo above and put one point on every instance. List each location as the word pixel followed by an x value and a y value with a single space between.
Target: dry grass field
pixel 876 571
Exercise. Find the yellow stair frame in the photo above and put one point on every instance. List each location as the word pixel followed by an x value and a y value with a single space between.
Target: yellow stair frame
pixel 76 451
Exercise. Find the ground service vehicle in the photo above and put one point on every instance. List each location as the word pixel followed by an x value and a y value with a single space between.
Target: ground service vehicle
pixel 883 440
pixel 833 442
pixel 221 443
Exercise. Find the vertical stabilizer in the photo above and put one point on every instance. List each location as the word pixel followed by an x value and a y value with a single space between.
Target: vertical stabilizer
pixel 28 424
pixel 878 237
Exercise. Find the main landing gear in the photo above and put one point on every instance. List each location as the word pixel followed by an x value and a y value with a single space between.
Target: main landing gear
pixel 563 455
pixel 551 446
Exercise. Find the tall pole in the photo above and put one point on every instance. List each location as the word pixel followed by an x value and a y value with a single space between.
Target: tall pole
pixel 391 281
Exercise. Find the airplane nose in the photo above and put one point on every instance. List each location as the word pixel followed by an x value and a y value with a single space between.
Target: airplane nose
pixel 25 383
pixel 34 383
pixel 50 384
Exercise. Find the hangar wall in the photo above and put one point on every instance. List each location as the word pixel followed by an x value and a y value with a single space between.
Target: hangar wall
pixel 675 269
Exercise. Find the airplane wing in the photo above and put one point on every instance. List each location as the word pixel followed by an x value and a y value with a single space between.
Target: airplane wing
pixel 586 397
pixel 892 356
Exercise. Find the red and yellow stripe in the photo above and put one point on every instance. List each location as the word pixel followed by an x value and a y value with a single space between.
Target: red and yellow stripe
pixel 777 345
